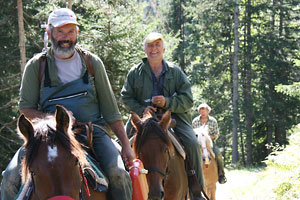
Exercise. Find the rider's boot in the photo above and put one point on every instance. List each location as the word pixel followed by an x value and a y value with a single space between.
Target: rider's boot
pixel 221 174
pixel 194 186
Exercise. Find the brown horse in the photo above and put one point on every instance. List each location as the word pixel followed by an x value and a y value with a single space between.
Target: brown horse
pixel 54 159
pixel 210 168
pixel 166 176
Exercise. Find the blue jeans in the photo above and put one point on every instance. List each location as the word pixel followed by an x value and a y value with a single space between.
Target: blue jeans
pixel 107 155
pixel 11 180
pixel 113 166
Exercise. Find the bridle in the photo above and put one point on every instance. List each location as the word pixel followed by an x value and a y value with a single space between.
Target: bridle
pixel 160 171
pixel 83 180
pixel 164 173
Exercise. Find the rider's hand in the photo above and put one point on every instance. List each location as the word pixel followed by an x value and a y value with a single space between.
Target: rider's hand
pixel 149 109
pixel 159 101
pixel 127 153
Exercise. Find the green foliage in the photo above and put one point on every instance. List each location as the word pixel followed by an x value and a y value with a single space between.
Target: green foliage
pixel 280 179
pixel 272 49
pixel 286 164
pixel 199 37
pixel 113 30
pixel 290 90
pixel 9 81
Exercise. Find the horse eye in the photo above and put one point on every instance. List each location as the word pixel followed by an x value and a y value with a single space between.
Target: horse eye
pixel 76 162
pixel 166 150
pixel 32 172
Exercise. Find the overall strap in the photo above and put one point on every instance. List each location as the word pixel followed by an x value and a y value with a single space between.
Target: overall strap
pixel 44 67
pixel 87 60
pixel 47 81
pixel 43 61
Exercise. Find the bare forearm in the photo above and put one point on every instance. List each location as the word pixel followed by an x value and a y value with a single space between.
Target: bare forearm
pixel 118 128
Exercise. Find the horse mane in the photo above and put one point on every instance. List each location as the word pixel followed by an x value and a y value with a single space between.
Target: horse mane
pixel 149 129
pixel 45 131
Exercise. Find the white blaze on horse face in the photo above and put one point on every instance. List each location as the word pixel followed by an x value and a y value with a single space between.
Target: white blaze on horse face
pixel 52 153
pixel 202 132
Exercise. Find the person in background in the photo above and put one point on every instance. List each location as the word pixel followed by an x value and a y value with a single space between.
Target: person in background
pixel 66 74
pixel 158 85
pixel 204 119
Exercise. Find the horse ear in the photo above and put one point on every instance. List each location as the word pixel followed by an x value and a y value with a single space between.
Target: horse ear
pixel 165 120
pixel 135 120
pixel 62 118
pixel 25 128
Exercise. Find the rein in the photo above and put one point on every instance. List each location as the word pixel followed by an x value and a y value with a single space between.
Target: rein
pixel 157 169
pixel 154 168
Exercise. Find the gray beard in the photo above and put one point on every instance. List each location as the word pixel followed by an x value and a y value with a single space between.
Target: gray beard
pixel 62 51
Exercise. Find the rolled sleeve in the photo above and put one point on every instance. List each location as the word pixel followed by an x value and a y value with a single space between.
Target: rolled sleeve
pixel 30 85
pixel 106 98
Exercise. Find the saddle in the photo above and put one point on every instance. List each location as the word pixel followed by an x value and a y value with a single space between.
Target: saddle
pixel 93 173
pixel 194 186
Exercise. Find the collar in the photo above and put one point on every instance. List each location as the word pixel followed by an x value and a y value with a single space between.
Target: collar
pixel 146 66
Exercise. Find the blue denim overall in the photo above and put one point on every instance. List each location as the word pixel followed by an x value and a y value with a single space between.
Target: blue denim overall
pixel 78 97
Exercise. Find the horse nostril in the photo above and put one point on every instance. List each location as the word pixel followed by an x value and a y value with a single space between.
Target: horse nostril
pixel 162 194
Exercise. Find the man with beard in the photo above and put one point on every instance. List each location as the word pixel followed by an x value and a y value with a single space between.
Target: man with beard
pixel 66 82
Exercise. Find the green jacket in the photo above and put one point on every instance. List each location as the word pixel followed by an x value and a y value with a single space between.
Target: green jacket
pixel 31 89
pixel 177 91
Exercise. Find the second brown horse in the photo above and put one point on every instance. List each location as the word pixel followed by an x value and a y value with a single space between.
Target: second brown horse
pixel 166 176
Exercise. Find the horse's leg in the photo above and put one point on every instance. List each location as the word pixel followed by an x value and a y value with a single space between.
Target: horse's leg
pixel 213 193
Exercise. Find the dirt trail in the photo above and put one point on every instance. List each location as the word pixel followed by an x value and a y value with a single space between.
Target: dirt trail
pixel 237 183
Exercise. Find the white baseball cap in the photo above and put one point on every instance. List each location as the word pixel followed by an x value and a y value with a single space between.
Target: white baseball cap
pixel 62 16
pixel 151 37
pixel 204 105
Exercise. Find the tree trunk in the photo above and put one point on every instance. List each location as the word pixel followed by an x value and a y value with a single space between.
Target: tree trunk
pixel 182 34
pixel 248 104
pixel 235 96
pixel 269 135
pixel 70 4
pixel 21 36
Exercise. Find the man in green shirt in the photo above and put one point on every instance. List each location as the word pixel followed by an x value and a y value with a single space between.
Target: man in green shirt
pixel 158 84
pixel 204 119
pixel 66 82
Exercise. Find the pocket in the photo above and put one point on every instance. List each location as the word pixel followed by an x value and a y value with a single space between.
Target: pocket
pixel 69 96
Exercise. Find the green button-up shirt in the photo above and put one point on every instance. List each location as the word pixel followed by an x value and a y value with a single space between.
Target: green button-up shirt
pixel 213 129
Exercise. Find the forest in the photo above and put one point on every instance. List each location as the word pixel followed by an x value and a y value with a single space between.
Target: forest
pixel 241 56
